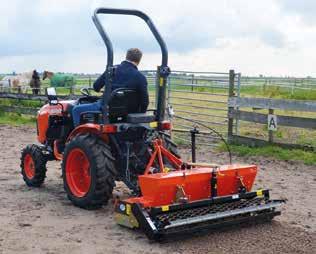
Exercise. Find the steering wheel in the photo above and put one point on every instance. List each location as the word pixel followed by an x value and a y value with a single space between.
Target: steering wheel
pixel 85 91
pixel 88 98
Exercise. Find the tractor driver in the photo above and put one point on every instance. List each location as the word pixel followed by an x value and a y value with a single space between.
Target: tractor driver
pixel 126 75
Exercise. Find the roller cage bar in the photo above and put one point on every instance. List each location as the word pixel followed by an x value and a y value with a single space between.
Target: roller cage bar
pixel 149 222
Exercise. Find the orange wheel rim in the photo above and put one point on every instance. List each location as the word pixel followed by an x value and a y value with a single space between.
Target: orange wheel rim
pixel 29 167
pixel 78 175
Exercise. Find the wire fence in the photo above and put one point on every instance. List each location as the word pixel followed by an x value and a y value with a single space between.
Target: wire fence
pixel 200 96
pixel 197 96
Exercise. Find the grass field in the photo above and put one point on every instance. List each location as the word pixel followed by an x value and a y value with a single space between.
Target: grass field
pixel 307 158
pixel 16 119
pixel 277 92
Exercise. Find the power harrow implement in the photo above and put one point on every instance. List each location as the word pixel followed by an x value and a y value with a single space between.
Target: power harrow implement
pixel 192 197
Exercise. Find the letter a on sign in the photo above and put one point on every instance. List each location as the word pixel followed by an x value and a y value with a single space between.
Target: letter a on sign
pixel 272 122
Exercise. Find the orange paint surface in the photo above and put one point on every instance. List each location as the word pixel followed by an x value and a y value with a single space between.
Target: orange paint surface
pixel 160 189
pixel 42 118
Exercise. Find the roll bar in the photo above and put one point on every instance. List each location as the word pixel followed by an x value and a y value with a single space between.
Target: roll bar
pixel 148 21
pixel 162 72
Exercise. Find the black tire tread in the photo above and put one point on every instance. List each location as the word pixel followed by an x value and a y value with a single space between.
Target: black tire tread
pixel 40 165
pixel 104 169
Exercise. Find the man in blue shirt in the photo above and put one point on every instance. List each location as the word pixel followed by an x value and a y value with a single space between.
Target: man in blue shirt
pixel 126 75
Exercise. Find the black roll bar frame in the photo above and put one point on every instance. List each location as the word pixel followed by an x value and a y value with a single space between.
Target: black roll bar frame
pixel 163 70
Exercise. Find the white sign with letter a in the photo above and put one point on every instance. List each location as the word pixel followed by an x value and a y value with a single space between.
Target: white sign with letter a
pixel 272 122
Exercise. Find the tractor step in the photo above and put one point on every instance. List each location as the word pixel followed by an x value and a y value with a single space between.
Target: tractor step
pixel 162 222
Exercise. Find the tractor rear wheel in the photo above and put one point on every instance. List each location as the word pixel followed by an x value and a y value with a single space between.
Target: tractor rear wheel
pixel 33 165
pixel 88 171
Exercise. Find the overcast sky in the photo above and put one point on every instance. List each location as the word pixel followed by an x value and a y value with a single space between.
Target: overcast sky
pixel 270 37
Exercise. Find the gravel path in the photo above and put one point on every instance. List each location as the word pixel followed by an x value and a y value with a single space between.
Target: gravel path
pixel 44 221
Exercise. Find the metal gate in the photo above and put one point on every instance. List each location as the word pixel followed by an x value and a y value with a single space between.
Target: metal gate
pixel 199 97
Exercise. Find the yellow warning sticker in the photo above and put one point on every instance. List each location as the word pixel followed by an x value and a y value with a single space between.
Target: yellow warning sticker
pixel 153 124
pixel 259 193
pixel 128 209
pixel 161 81
pixel 166 170
pixel 165 208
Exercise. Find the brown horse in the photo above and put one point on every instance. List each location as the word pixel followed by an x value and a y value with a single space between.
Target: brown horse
pixel 59 79
pixel 47 74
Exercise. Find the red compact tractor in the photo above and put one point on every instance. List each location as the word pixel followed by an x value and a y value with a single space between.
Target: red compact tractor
pixel 169 196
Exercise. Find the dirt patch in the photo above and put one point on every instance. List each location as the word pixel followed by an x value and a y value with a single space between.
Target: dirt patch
pixel 44 221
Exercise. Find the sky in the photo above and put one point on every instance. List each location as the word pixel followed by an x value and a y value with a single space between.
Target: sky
pixel 271 37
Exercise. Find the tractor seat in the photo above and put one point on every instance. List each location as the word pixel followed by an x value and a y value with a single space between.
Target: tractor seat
pixel 124 106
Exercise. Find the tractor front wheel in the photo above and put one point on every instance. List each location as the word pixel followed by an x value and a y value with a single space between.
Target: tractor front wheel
pixel 88 171
pixel 33 166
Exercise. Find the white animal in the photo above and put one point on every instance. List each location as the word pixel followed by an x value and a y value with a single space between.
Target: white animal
pixel 18 82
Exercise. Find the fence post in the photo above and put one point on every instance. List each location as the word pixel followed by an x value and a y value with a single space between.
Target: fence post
pixel 271 112
pixel 293 86
pixel 238 95
pixel 72 90
pixel 230 109
pixel 192 82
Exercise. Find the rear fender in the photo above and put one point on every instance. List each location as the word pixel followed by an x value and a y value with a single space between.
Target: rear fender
pixel 95 129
